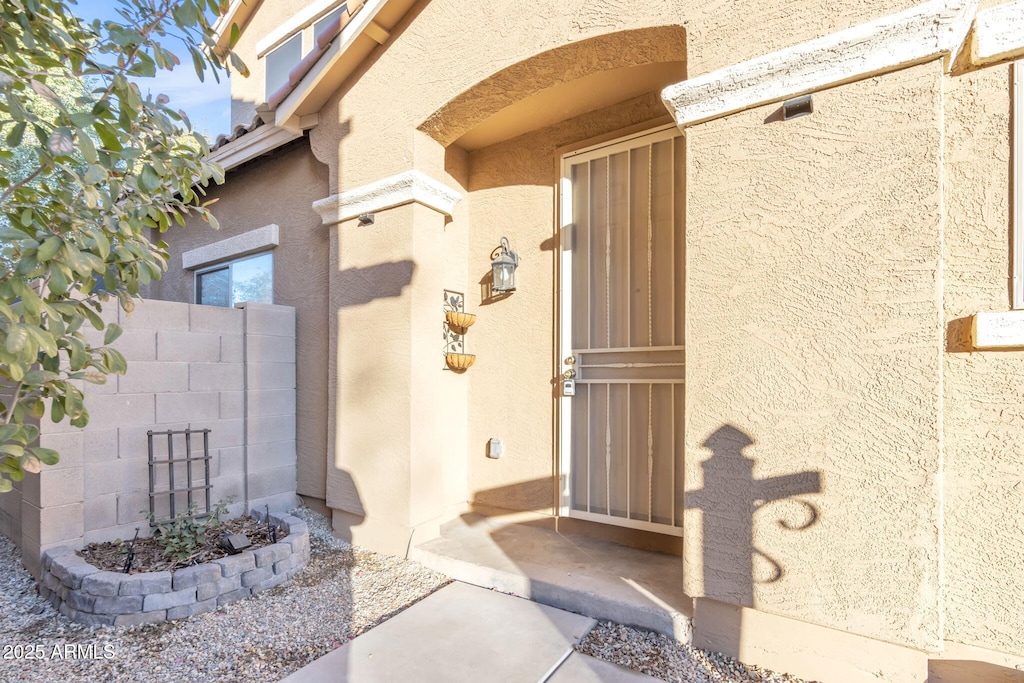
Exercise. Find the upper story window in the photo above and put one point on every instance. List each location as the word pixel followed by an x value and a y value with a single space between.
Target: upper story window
pixel 286 46
pixel 245 279
pixel 281 61
pixel 320 25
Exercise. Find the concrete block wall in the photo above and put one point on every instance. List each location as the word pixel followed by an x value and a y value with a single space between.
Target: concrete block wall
pixel 231 371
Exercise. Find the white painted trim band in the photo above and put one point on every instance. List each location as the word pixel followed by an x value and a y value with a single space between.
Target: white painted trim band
pixel 998 330
pixel 998 33
pixel 921 33
pixel 233 247
pixel 403 188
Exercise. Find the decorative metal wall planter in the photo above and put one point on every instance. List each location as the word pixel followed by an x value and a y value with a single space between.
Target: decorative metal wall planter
pixel 459 362
pixel 456 322
pixel 459 320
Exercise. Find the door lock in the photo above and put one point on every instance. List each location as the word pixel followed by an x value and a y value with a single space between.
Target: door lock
pixel 569 374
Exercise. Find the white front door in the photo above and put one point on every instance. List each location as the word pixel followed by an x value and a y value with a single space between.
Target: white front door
pixel 622 332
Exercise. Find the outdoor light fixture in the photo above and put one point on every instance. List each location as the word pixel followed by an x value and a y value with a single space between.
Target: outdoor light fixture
pixel 504 262
pixel 797 107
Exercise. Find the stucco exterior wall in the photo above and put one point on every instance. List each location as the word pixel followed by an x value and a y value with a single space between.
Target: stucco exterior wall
pixel 984 415
pixel 469 41
pixel 849 462
pixel 813 335
pixel 279 189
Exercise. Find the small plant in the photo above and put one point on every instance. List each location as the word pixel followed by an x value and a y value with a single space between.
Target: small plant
pixel 184 536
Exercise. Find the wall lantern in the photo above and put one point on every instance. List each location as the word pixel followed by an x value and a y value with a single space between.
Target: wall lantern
pixel 504 262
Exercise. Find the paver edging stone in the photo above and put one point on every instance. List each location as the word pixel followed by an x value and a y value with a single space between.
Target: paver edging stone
pixel 87 595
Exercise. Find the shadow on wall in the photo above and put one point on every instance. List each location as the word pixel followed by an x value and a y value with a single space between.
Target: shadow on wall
pixel 385 280
pixel 347 510
pixel 731 562
pixel 729 500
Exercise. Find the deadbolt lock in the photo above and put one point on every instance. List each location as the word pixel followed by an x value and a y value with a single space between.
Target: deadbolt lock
pixel 570 360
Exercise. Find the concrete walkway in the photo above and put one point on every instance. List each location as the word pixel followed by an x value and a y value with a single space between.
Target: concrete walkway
pixel 466 633
pixel 572 572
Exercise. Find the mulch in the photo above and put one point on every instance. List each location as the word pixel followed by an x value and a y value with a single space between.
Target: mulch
pixel 149 557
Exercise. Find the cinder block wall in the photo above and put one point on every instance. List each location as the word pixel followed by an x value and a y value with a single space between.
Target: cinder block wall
pixel 189 366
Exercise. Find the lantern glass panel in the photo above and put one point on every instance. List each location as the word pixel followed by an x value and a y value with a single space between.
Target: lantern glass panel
pixel 504 277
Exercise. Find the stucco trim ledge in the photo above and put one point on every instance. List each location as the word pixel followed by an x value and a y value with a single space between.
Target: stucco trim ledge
pixel 998 330
pixel 233 247
pixel 930 30
pixel 387 193
pixel 998 33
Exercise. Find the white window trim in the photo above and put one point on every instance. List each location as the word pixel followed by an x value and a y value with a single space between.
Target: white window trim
pixel 298 22
pixel 235 247
pixel 230 265
pixel 1017 203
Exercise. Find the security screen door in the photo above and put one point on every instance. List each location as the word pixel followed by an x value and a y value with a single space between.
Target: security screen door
pixel 622 332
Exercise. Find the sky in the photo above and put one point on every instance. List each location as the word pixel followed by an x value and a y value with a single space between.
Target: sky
pixel 207 104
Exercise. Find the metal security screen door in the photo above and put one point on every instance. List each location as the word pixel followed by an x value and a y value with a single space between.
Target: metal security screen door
pixel 622 332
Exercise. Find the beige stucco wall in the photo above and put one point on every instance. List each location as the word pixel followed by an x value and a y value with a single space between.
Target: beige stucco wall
pixel 984 414
pixel 278 190
pixel 813 256
pixel 469 41
pixel 827 257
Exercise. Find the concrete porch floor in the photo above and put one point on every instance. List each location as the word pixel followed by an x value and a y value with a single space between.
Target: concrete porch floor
pixel 599 579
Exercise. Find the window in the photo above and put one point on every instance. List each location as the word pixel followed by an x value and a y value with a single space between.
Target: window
pixel 247 279
pixel 301 33
pixel 281 61
pixel 319 26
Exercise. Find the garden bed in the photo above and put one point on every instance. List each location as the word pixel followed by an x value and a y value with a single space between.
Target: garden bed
pixel 95 596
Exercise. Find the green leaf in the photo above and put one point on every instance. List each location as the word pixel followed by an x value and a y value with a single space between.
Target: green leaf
pixel 44 339
pixel 7 431
pixel 49 249
pixel 47 456
pixel 95 174
pixel 17 337
pixel 37 377
pixel 113 332
pixel 57 410
pixel 12 449
pixel 5 485
pixel 14 137
pixel 149 180
pixel 61 141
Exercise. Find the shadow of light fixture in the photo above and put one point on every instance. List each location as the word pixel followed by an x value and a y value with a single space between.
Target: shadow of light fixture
pixel 504 262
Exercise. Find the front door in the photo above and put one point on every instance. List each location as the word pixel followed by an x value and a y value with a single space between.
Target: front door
pixel 622 275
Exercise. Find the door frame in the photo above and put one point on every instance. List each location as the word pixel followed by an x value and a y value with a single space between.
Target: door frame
pixel 564 346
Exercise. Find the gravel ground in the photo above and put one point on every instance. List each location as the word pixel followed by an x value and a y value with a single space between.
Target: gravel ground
pixel 665 658
pixel 342 592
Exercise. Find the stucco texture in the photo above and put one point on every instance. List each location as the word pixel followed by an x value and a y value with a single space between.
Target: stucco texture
pixel 469 42
pixel 279 189
pixel 814 350
pixel 983 391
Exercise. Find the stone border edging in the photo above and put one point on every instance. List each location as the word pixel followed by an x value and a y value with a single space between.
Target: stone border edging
pixel 84 594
